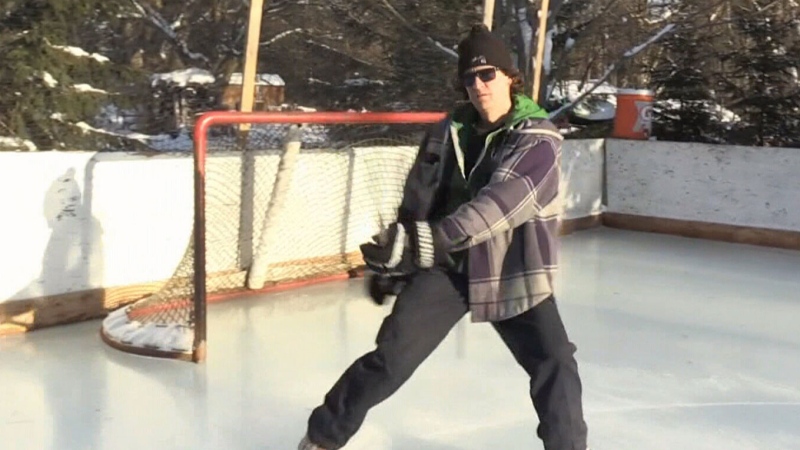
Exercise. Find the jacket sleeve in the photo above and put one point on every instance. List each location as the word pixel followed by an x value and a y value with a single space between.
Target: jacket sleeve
pixel 525 181
pixel 422 178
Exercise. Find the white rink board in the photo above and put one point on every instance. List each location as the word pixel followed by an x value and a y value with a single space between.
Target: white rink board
pixel 582 167
pixel 84 220
pixel 746 186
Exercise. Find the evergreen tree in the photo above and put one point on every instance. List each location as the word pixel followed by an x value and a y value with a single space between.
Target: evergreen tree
pixel 763 76
pixel 391 54
pixel 56 75
pixel 681 78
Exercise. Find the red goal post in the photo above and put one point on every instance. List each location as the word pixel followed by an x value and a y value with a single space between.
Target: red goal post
pixel 257 196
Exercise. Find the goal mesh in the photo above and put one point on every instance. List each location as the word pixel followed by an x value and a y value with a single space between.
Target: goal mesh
pixel 285 201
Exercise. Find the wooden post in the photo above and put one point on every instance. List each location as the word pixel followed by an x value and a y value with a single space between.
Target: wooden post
pixel 251 59
pixel 247 185
pixel 488 13
pixel 542 38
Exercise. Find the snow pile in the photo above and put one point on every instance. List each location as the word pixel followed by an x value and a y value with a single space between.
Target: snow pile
pixel 81 53
pixel 262 79
pixel 171 337
pixel 601 104
pixel 13 143
pixel 722 114
pixel 48 80
pixel 88 88
pixel 184 77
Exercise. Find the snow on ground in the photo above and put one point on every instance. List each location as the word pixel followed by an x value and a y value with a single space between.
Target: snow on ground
pixel 17 144
pixel 601 104
pixel 262 79
pixel 193 75
pixel 48 80
pixel 183 77
pixel 721 113
pixel 81 53
pixel 83 87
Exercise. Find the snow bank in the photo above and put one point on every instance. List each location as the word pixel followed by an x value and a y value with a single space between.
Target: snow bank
pixel 262 79
pixel 81 53
pixel 17 144
pixel 183 77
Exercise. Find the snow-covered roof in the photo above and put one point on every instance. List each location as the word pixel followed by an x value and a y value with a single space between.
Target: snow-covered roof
pixel 262 79
pixel 183 77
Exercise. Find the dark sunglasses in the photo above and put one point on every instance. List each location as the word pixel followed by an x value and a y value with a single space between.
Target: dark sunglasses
pixel 486 75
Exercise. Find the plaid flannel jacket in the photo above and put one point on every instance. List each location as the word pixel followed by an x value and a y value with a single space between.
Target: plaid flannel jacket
pixel 510 225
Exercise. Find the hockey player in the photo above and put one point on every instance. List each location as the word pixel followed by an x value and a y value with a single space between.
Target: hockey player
pixel 477 232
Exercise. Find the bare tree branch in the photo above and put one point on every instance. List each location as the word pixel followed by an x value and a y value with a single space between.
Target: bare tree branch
pixel 280 36
pixel 149 13
pixel 451 53
pixel 273 7
pixel 349 13
pixel 669 29
pixel 339 52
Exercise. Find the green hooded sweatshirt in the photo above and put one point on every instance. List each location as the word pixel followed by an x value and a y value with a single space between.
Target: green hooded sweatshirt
pixel 464 186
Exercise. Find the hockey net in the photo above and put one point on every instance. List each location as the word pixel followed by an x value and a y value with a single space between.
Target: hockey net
pixel 281 199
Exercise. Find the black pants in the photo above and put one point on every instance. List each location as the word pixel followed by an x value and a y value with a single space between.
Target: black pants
pixel 423 314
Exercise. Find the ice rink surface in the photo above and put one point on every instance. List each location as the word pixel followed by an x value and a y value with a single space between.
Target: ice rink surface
pixel 682 344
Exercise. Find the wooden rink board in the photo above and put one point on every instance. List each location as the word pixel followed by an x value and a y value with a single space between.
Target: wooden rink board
pixel 30 314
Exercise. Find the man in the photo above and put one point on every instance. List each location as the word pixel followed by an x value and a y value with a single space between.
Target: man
pixel 477 232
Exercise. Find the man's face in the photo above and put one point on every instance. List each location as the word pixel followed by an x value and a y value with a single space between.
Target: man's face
pixel 486 85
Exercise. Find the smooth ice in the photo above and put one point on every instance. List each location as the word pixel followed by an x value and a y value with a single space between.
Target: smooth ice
pixel 682 344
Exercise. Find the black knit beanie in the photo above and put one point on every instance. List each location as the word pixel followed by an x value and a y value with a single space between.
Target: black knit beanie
pixel 482 48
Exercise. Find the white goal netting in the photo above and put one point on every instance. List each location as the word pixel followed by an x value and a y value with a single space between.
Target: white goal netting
pixel 285 204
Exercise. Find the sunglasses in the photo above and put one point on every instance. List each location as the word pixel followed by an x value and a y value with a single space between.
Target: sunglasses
pixel 485 75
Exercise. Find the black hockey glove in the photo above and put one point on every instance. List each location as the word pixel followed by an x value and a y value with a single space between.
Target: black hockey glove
pixel 403 249
pixel 380 286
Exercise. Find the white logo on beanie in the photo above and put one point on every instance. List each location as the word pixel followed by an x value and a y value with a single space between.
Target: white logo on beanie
pixel 479 60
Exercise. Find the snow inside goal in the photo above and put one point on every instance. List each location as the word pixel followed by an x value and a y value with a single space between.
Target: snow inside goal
pixel 281 198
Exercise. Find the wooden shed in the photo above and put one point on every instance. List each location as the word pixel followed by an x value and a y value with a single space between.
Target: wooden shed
pixel 269 92
pixel 178 96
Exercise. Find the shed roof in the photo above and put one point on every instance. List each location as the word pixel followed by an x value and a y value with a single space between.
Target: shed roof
pixel 262 79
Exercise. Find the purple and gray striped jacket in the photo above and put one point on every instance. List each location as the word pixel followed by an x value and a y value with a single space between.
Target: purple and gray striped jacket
pixel 510 226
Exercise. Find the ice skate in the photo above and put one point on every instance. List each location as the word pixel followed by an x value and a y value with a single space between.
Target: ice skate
pixel 306 444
